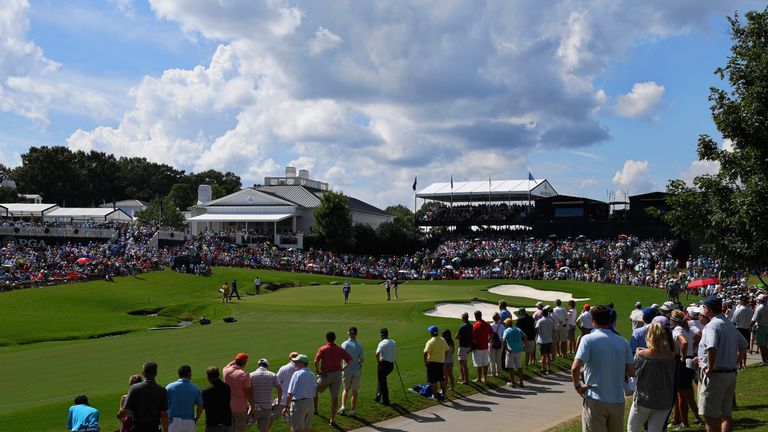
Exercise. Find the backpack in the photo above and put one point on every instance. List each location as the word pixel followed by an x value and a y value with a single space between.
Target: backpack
pixel 496 341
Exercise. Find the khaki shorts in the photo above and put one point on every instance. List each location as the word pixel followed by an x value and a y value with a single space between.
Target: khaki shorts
pixel 302 413
pixel 329 380
pixel 239 421
pixel 530 346
pixel 716 394
pixel 480 358
pixel 597 416
pixel 463 353
pixel 351 381
pixel 562 333
pixel 261 417
pixel 514 360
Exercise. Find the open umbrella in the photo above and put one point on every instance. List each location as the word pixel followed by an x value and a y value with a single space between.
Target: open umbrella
pixel 83 260
pixel 698 283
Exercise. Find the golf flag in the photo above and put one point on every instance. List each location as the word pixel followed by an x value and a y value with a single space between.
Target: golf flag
pixel 451 181
pixel 415 181
pixel 530 177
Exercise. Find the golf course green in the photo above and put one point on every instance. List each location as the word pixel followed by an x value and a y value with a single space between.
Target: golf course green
pixel 88 338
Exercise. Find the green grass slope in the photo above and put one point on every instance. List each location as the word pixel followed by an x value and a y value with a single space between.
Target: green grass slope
pixel 52 348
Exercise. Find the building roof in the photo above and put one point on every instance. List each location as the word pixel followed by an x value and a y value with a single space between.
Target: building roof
pixel 26 209
pixel 301 195
pixel 495 190
pixel 239 217
pixel 124 203
pixel 88 213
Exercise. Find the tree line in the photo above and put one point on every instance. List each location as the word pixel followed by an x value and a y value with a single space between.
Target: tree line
pixel 87 179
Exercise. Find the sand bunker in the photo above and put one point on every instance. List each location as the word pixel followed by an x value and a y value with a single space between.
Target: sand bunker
pixel 454 310
pixel 533 293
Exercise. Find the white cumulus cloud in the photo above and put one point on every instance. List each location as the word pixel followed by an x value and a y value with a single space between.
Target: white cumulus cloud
pixel 641 101
pixel 634 177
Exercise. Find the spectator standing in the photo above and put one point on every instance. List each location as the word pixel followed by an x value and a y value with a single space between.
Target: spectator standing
pixel 545 331
pixel 760 319
pixel 560 314
pixel 126 423
pixel 388 285
pixel 257 285
pixel 572 315
pixel 82 417
pixel 515 342
pixel 655 371
pixel 385 357
pixel 526 323
pixel 284 375
pixel 434 359
pixel 482 332
pixel 636 316
pixel 301 392
pixel 720 347
pixel 395 283
pixel 448 365
pixel 147 402
pixel 352 372
pixel 742 319
pixel 496 349
pixel 328 364
pixel 464 337
pixel 503 312
pixel 240 391
pixel 216 401
pixel 638 335
pixel 346 289
pixel 260 400
pixel 683 336
pixel 183 398
pixel 606 360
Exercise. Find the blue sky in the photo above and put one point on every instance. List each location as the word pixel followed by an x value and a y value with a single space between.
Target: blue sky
pixel 592 95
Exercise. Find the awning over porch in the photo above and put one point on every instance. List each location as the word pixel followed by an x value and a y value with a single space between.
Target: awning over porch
pixel 244 217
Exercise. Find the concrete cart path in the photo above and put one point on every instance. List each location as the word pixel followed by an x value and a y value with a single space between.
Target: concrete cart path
pixel 545 402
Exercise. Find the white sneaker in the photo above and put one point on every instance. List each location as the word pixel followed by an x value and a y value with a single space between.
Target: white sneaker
pixel 341 411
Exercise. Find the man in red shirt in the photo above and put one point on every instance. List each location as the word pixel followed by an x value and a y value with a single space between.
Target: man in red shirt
pixel 328 366
pixel 482 332
pixel 240 387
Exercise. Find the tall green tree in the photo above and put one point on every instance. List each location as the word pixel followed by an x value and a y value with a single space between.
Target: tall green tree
pixel 144 180
pixel 182 195
pixel 56 173
pixel 333 221
pixel 727 209
pixel 403 216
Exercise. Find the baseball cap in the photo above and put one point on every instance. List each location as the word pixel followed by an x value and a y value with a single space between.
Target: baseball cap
pixel 293 355
pixel 522 311
pixel 694 311
pixel 655 305
pixel 263 362
pixel 301 358
pixel 352 330
pixel 761 297
pixel 433 330
pixel 713 303
pixel 667 306
pixel 508 322
pixel 547 307
pixel 661 319
pixel 241 356
pixel 649 314
pixel 539 304
pixel 638 304
pixel 587 306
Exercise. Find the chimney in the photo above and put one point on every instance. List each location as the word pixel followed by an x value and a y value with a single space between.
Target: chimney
pixel 204 194
pixel 290 171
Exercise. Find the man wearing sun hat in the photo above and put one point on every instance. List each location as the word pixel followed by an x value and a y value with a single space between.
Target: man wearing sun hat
pixel 240 387
pixel 434 357
pixel 284 375
pixel 720 346
pixel 300 395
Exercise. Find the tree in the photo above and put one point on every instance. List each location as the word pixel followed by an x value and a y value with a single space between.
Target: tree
pixel 394 239
pixel 403 216
pixel 727 209
pixel 8 195
pixel 366 240
pixel 427 208
pixel 56 173
pixel 333 220
pixel 161 211
pixel 182 196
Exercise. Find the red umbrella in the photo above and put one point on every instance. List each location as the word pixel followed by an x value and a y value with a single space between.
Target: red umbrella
pixel 703 282
pixel 83 260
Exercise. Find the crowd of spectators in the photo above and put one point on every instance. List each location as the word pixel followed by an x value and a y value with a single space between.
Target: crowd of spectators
pixel 24 266
pixel 478 213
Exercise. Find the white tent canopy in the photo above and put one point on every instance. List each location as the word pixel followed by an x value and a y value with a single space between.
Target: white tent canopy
pixel 16 210
pixel 239 217
pixel 494 190
pixel 69 214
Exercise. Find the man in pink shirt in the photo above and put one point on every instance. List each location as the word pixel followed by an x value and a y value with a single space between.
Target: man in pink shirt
pixel 239 382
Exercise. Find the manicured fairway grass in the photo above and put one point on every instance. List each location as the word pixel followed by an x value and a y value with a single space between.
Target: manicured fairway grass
pixel 42 377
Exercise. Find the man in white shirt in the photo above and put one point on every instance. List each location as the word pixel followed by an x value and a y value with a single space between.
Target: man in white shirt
pixel 284 375
pixel 742 319
pixel 385 357
pixel 636 316
pixel 560 316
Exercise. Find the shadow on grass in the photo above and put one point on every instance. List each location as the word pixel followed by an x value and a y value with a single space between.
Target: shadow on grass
pixel 748 423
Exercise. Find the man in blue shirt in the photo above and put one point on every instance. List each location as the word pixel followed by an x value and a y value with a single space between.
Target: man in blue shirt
pixel 516 341
pixel 183 396
pixel 607 361
pixel 638 335
pixel 301 393
pixel 503 312
pixel 352 373
pixel 82 417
